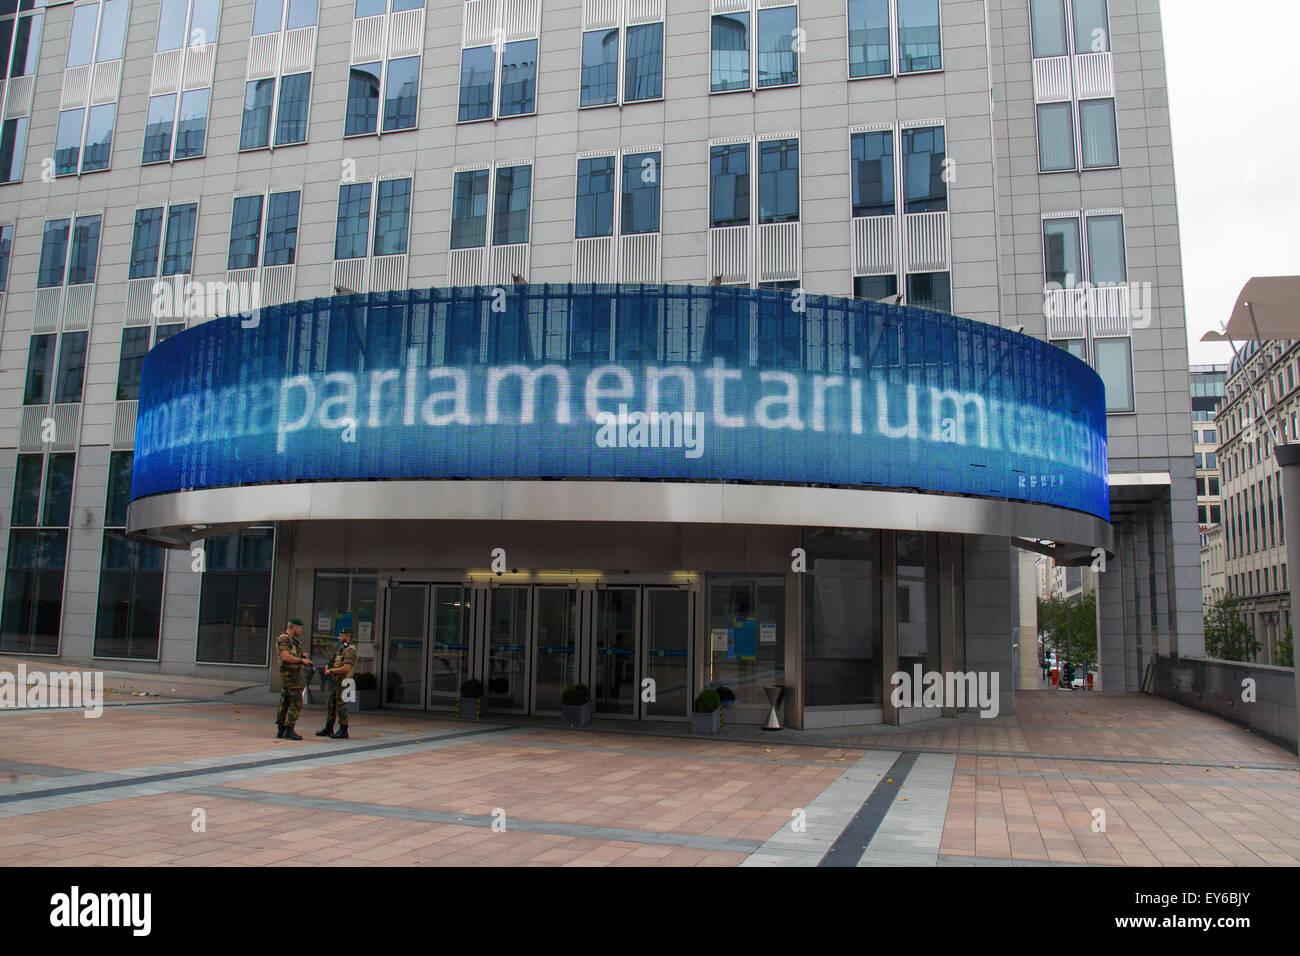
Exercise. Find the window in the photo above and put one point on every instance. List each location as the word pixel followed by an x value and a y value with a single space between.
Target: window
pixel 130 363
pixel 916 24
pixel 617 190
pixel 499 79
pixel 20 42
pixel 38 545
pixel 772 59
pixel 1055 137
pixel 1200 487
pixel 6 250
pixel 235 598
pixel 129 613
pixel 1097 143
pixel 389 225
pixel 1113 359
pixel 176 123
pixel 886 181
pixel 729 185
pixel 399 92
pixel 84 137
pixel 641 66
pixel 265 111
pixel 1213 485
pixel 148 245
pixel 277 246
pixel 511 204
pixel 73 262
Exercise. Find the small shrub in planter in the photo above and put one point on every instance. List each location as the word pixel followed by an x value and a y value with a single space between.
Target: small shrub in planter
pixel 707 717
pixel 367 691
pixel 471 697
pixel 576 706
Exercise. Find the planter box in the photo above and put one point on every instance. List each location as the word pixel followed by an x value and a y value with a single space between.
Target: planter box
pixel 467 708
pixel 368 699
pixel 575 715
pixel 706 725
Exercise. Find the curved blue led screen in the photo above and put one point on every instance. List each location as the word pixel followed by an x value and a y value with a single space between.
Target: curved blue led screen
pixel 649 382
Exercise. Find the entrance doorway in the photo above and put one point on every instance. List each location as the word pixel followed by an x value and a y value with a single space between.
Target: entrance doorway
pixel 632 645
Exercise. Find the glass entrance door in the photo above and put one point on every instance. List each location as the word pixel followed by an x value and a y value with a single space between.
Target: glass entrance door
pixel 555 642
pixel 667 642
pixel 507 652
pixel 449 644
pixel 615 644
pixel 404 665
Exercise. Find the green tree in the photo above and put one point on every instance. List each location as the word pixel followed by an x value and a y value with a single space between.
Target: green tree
pixel 1285 656
pixel 1226 635
pixel 1070 628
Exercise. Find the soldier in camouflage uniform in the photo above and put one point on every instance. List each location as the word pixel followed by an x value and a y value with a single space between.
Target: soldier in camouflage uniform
pixel 291 682
pixel 339 669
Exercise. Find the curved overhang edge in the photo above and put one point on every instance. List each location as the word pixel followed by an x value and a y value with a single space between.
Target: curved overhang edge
pixel 175 519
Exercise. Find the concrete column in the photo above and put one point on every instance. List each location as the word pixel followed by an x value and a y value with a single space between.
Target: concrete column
pixel 1113 632
pixel 1029 673
pixel 991 616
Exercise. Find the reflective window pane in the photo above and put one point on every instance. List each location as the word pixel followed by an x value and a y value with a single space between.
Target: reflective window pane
pixel 599 67
pixel 873 173
pixel 643 74
pixel 477 74
pixel 302 13
pixel 178 253
pixel 1114 363
pixel 255 129
pixel 267 16
pixel 778 63
pixel 40 369
pixel 919 46
pixel 1106 262
pixel 99 138
pixel 67 142
pixel 158 129
pixel 869 45
pixel 26 45
pixel 27 491
pixel 730 52
pixel 171 24
pixel 370 8
pixel 640 211
pixel 146 241
pixel 13 146
pixel 58 489
pixel 1048 27
pixel 1097 131
pixel 1055 137
pixel 1062 254
pixel 192 125
pixel 72 367
pixel 245 230
pixel 875 288
pixel 595 212
pixel 511 208
pixel 81 41
pixel 402 94
pixel 204 15
pixel 291 117
pixel 130 363
pixel 778 181
pixel 281 229
pixel 930 290
pixel 1091 29
pixel 518 78
pixel 54 253
pixel 112 31
pixel 85 250
pixel 353 224
pixel 392 217
pixel 363 100
pixel 923 154
pixel 469 209
pixel 729 185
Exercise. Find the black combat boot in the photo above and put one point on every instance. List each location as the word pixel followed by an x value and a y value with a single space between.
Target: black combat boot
pixel 279 731
pixel 328 731
pixel 289 733
pixel 342 734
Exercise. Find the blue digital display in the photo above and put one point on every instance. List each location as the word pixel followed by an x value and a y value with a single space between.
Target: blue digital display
pixel 622 382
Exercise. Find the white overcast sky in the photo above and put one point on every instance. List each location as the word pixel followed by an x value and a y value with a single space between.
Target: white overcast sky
pixel 1234 102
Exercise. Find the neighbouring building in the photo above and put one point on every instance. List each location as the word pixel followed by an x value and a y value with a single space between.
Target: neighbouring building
pixel 1207 392
pixel 1214 586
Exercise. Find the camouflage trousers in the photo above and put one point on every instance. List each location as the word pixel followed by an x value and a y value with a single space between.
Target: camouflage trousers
pixel 337 708
pixel 291 687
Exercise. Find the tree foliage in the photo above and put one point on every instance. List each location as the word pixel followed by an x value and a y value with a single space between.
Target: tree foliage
pixel 1226 635
pixel 1070 628
pixel 1285 656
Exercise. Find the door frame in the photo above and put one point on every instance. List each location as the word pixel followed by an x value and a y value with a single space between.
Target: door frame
pixel 594 658
pixel 643 650
pixel 385 656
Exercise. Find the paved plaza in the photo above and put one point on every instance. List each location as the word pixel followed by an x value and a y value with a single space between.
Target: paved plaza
pixel 193 775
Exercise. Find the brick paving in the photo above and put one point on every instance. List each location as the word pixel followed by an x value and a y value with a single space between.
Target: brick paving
pixel 1177 788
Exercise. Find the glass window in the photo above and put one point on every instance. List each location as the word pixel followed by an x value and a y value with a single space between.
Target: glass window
pixel 930 290
pixel 40 369
pixel 1097 131
pixel 164 332
pixel 291 117
pixel 923 156
pixel 640 193
pixel 112 31
pixel 875 288
pixel 730 52
pixel 245 228
pixel 1055 137
pixel 363 100
pixel 518 77
pixel 13 145
pixel 33 598
pixel 919 46
pixel 843 629
pixel 158 129
pixel 1048 22
pixel 778 181
pixel 869 45
pixel 370 8
pixel 171 25
pixel 203 21
pixel 26 44
pixel 469 209
pixel 67 140
pixel 352 227
pixel 873 173
pixel 85 250
pixel 99 138
pixel 729 185
pixel 267 16
pixel 595 212
pixel 1076 347
pixel 778 61
pixel 178 253
pixel 192 124
pixel 643 74
pixel 130 363
pixel 72 367
pixel 54 253
pixel 747 607
pixel 1062 255
pixel 599 69
pixel 510 213
pixel 6 249
pixel 1106 250
pixel 1091 29
pixel 235 598
pixel 392 217
pixel 302 13
pixel 259 100
pixel 281 229
pixel 81 41
pixel 58 489
pixel 477 74
pixel 1114 363
pixel 402 94
pixel 27 490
